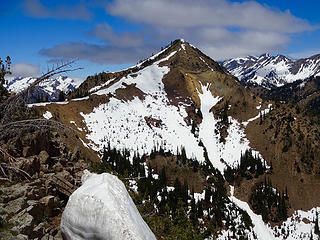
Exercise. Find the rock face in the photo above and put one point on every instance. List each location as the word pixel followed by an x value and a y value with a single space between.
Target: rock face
pixel 31 207
pixel 102 209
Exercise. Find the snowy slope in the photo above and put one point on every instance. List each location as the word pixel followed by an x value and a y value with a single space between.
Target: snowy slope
pixel 103 209
pixel 300 226
pixel 272 71
pixel 51 87
pixel 128 128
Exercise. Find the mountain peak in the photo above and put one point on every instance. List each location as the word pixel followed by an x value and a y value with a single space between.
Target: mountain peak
pixel 273 71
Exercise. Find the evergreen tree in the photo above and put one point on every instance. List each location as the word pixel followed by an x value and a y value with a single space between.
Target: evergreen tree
pixel 316 225
pixel 260 122
pixel 105 154
pixel 62 96
pixel 193 212
pixel 200 209
pixel 177 188
pixel 163 177
pixel 4 70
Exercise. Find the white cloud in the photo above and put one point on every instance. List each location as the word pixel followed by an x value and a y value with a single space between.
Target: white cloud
pixel 25 70
pixel 220 28
pixel 124 39
pixel 103 54
pixel 221 44
pixel 211 13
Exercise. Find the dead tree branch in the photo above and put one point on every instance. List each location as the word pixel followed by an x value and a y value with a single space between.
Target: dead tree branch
pixel 7 165
pixel 16 128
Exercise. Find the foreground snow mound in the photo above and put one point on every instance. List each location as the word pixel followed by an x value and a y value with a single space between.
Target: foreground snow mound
pixel 102 209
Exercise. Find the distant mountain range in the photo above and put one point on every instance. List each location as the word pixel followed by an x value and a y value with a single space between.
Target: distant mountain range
pixel 272 71
pixel 49 88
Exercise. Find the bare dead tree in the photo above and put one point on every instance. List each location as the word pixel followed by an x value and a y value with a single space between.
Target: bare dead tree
pixel 16 105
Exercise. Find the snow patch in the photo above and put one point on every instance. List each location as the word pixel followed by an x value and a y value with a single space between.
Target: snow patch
pixel 265 111
pixel 47 115
pixel 80 99
pixel 42 104
pixel 199 196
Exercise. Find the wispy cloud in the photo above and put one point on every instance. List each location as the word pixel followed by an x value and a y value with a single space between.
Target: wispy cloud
pixel 35 8
pixel 221 28
pixel 24 70
pixel 124 39
pixel 210 13
pixel 103 54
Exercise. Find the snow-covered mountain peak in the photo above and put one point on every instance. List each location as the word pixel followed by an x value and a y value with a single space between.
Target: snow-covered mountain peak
pixel 273 71
pixel 169 98
pixel 50 87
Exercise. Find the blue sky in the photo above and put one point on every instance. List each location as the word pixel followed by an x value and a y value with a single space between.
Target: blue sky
pixel 111 35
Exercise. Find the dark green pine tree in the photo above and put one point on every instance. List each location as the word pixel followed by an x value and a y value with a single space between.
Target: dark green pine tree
pixel 163 178
pixel 177 188
pixel 193 212
pixel 260 122
pixel 4 70
pixel 200 209
pixel 316 225
pixel 62 96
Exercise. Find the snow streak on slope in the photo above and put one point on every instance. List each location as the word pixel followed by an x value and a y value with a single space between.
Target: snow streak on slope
pixel 294 228
pixel 103 209
pixel 220 153
pixel 262 231
pixel 263 112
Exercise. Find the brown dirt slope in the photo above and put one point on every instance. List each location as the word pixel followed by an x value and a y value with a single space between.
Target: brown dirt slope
pixel 289 142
